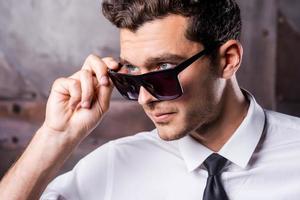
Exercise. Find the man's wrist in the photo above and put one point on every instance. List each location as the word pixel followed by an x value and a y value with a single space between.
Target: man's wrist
pixel 63 139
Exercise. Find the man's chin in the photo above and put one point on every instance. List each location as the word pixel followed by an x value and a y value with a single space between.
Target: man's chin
pixel 169 133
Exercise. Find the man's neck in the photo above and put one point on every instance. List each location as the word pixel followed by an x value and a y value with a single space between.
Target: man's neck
pixel 233 110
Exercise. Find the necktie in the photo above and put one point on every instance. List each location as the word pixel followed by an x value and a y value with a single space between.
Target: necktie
pixel 214 189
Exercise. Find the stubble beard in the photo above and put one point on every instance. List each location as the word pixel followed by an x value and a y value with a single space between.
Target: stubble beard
pixel 195 119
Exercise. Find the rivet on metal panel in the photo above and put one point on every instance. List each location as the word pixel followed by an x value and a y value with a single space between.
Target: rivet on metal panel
pixel 280 98
pixel 15 140
pixel 33 95
pixel 281 20
pixel 265 33
pixel 16 108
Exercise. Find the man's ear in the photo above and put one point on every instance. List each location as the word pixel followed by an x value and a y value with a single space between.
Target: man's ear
pixel 231 54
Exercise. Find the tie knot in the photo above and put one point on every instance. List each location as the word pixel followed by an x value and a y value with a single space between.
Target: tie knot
pixel 214 164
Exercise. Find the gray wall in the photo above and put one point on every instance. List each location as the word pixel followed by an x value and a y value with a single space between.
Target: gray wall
pixel 43 40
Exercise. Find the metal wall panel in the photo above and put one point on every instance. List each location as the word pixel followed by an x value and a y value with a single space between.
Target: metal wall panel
pixel 257 73
pixel 288 59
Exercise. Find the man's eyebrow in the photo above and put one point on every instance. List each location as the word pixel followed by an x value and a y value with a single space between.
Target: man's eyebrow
pixel 151 61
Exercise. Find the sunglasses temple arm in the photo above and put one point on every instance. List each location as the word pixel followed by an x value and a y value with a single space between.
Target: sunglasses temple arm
pixel 188 62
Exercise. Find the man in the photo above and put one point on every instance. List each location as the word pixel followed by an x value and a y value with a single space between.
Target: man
pixel 212 140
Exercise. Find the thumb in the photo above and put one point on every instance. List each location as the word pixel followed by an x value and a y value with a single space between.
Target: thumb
pixel 105 91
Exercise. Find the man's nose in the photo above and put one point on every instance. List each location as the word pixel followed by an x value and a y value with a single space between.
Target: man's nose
pixel 145 97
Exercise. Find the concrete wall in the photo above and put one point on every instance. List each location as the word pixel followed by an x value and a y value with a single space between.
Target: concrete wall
pixel 43 40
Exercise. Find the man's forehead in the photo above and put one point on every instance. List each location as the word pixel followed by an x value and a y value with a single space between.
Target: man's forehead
pixel 170 28
pixel 158 37
pixel 161 24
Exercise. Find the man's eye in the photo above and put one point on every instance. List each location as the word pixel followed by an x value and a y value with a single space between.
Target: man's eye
pixel 165 66
pixel 130 69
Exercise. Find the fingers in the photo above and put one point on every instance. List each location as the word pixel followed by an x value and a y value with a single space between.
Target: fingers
pixel 93 80
pixel 84 96
pixel 68 88
pixel 75 92
pixel 99 67
pixel 89 84
pixel 104 98
pixel 105 93
pixel 111 63
pixel 87 88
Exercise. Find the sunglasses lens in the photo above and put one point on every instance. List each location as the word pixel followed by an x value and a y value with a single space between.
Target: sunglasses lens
pixel 125 85
pixel 163 86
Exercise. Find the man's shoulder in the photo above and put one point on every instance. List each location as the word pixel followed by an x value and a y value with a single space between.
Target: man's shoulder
pixel 283 121
pixel 282 130
pixel 140 137
pixel 142 143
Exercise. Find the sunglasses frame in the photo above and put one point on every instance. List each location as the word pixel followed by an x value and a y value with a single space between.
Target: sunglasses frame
pixel 139 80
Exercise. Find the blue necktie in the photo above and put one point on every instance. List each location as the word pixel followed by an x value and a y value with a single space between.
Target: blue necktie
pixel 214 189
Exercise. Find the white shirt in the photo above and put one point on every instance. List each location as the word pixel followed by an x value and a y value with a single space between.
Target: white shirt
pixel 264 155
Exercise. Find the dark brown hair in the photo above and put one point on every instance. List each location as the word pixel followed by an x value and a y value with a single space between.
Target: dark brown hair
pixel 210 21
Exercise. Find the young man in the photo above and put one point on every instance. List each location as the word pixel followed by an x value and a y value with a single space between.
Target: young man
pixel 212 140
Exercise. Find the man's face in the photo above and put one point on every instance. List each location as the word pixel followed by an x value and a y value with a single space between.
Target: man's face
pixel 162 43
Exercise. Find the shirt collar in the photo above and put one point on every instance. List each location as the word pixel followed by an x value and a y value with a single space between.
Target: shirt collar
pixel 238 149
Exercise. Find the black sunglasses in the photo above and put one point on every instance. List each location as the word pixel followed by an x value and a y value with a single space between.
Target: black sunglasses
pixel 163 85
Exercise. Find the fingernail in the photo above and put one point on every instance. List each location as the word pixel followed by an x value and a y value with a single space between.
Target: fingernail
pixel 85 104
pixel 104 80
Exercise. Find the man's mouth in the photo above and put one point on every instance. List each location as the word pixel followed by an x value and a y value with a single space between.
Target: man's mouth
pixel 162 117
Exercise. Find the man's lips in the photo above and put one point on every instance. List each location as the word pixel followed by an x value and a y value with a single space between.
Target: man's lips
pixel 162 117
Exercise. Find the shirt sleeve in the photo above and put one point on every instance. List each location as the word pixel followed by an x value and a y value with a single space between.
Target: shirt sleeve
pixel 88 180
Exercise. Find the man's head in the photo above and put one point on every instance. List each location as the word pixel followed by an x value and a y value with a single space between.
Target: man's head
pixel 160 34
pixel 208 20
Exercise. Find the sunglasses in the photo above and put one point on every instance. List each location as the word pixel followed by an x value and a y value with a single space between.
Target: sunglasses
pixel 163 85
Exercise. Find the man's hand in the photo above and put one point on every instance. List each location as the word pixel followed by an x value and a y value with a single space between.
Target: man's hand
pixel 75 106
